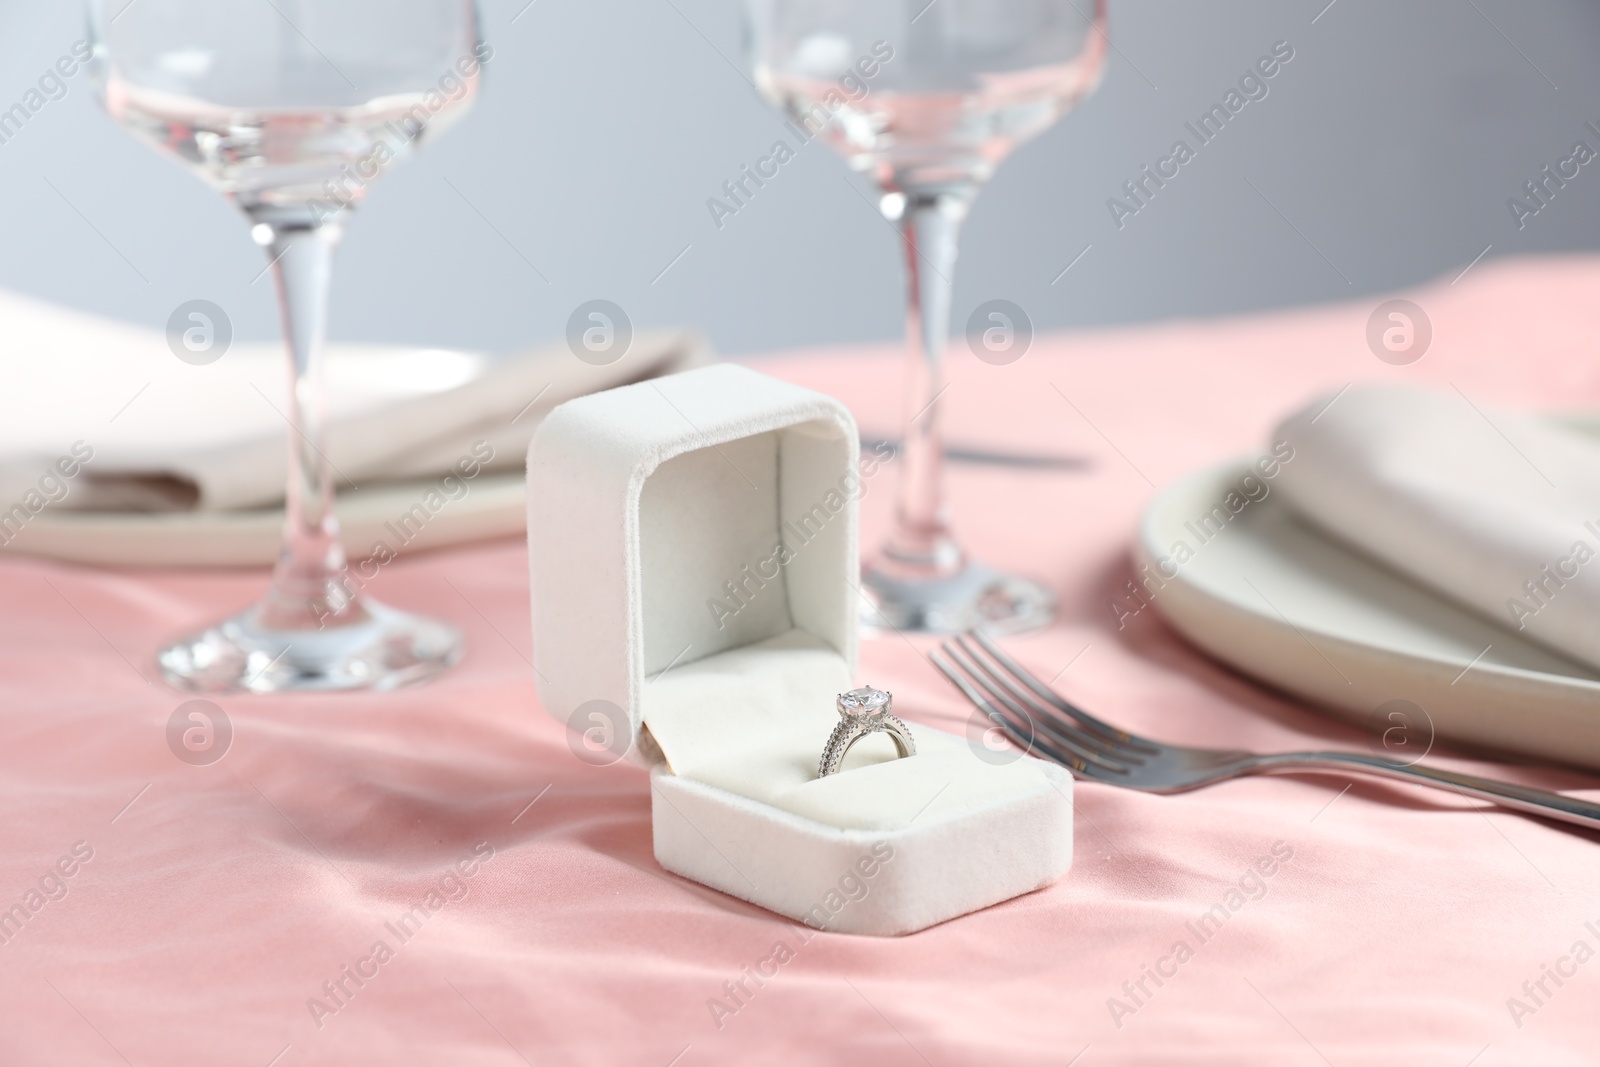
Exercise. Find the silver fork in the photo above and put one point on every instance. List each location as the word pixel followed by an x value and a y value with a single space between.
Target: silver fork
pixel 1036 719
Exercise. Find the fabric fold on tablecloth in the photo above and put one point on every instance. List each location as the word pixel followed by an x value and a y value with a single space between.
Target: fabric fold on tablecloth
pixel 1497 510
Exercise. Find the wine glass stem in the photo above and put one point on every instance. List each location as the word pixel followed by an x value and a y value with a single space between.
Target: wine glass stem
pixel 306 592
pixel 930 223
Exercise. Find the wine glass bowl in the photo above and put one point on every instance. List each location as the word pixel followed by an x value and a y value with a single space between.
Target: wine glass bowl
pixel 247 97
pixel 928 96
pixel 955 90
pixel 292 108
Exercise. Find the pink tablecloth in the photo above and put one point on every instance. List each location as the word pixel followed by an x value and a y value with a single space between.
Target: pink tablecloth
pixel 208 906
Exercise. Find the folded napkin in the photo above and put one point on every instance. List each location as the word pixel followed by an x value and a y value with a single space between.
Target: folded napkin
pixel 1496 510
pixel 164 435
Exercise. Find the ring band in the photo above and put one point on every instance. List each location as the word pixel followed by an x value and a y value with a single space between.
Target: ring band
pixel 861 712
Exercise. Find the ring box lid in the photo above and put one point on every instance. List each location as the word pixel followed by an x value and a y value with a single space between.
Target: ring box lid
pixel 652 504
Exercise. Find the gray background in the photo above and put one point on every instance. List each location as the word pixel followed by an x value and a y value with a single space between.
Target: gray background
pixel 1383 156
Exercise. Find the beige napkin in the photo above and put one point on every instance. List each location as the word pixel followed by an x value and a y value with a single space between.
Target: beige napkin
pixel 1497 510
pixel 169 436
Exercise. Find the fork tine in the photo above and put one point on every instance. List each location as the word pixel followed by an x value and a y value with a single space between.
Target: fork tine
pixel 989 709
pixel 1049 720
pixel 1027 740
pixel 1089 722
pixel 1075 740
pixel 1081 768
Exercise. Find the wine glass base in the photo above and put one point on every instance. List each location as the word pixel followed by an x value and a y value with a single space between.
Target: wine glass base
pixel 386 650
pixel 974 596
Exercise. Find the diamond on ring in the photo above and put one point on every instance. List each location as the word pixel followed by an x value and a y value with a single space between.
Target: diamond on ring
pixel 864 701
pixel 861 712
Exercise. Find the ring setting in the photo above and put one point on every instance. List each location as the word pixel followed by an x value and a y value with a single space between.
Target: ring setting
pixel 861 712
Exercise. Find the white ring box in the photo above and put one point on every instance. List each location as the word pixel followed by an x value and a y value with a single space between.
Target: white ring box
pixel 693 545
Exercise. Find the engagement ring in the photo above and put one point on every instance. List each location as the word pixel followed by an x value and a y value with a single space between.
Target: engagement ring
pixel 861 712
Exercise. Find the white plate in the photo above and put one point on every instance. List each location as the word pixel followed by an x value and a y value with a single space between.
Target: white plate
pixel 493 507
pixel 1288 605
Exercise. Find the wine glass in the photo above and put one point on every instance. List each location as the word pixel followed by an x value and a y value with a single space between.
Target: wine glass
pixel 292 108
pixel 928 96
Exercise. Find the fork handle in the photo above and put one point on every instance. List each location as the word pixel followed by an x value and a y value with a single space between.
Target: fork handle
pixel 1520 798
